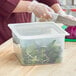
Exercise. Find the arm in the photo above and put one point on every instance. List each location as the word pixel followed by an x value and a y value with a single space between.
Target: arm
pixel 7 7
pixel 15 6
pixel 22 6
pixel 54 4
pixel 39 9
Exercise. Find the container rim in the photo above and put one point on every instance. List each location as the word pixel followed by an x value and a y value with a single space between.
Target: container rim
pixel 54 25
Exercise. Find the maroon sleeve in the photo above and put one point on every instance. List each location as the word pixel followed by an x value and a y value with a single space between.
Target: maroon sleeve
pixel 48 2
pixel 7 6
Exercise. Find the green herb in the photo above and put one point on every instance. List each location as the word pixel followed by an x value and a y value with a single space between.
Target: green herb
pixel 35 54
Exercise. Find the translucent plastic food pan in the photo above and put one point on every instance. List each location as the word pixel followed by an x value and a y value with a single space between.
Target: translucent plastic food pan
pixel 38 42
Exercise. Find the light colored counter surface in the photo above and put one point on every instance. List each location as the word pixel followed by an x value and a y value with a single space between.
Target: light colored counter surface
pixel 10 66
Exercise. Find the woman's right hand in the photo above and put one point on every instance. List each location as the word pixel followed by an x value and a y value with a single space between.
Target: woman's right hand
pixel 40 10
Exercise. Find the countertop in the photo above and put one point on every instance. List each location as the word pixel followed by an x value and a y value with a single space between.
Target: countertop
pixel 10 66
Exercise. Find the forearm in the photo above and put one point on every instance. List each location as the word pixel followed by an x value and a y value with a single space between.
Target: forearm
pixel 22 6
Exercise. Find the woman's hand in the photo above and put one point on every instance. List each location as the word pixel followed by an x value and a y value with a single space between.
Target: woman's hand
pixel 40 10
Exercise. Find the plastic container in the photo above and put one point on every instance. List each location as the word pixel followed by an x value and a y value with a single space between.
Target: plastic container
pixel 73 12
pixel 38 43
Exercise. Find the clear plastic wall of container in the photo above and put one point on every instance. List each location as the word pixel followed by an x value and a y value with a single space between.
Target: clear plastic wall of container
pixel 39 51
pixel 44 45
pixel 17 47
pixel 42 51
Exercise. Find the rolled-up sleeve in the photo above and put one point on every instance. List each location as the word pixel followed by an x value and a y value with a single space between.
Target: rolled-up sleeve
pixel 7 7
pixel 48 2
